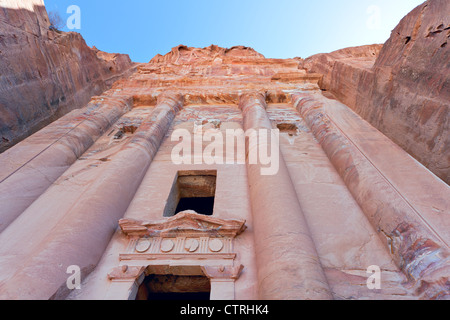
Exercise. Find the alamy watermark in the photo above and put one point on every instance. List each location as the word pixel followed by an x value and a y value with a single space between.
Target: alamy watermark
pixel 374 20
pixel 73 21
pixel 74 280
pixel 374 280
pixel 217 147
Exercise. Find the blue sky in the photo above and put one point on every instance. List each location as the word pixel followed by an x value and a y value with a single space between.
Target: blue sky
pixel 277 29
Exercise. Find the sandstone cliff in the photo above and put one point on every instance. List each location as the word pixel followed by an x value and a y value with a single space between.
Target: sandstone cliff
pixel 44 73
pixel 404 88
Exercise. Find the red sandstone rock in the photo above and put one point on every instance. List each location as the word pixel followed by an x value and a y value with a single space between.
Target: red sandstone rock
pixel 325 64
pixel 45 73
pixel 416 236
pixel 405 92
pixel 345 197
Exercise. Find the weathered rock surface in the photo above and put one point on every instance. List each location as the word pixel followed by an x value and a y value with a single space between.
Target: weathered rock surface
pixel 215 75
pixel 338 67
pixel 404 91
pixel 45 73
pixel 84 190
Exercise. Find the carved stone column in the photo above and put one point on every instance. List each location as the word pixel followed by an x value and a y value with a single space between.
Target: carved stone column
pixel 287 261
pixel 52 150
pixel 125 282
pixel 81 237
pixel 222 281
pixel 417 240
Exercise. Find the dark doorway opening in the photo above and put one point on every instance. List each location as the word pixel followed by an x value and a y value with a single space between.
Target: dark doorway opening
pixel 171 287
pixel 173 296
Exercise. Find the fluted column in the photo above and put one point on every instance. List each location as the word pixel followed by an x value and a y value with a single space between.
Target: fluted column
pixel 30 167
pixel 82 235
pixel 288 265
pixel 420 250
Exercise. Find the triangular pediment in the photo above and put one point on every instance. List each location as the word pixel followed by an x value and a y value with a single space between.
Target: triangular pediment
pixel 184 223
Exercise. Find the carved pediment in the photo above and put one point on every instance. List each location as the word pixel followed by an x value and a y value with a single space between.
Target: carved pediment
pixel 187 223
pixel 187 236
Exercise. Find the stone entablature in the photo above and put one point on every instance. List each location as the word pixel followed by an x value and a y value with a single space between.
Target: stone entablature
pixel 187 235
pixel 188 243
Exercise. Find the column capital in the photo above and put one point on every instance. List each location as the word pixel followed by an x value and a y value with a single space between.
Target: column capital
pixel 171 98
pixel 125 273
pixel 249 99
pixel 223 272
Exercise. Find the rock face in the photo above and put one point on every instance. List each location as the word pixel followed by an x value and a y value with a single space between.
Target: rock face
pixel 45 73
pixel 404 91
pixel 343 197
pixel 336 67
pixel 336 206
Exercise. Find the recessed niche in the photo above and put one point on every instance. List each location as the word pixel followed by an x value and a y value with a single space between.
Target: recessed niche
pixel 125 129
pixel 192 190
pixel 290 128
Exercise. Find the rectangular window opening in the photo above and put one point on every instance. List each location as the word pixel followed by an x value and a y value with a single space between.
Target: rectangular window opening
pixel 192 190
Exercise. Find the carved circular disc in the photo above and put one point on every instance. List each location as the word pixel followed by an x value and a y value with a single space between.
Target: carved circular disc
pixel 167 245
pixel 191 245
pixel 143 245
pixel 215 245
